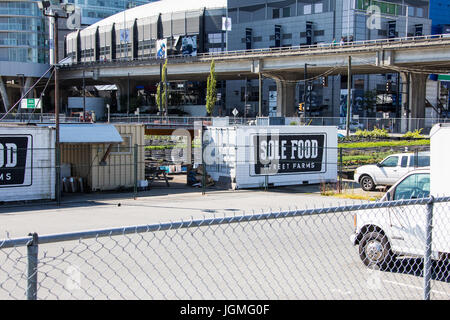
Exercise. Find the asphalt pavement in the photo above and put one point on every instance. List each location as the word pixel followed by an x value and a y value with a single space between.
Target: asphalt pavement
pixel 287 258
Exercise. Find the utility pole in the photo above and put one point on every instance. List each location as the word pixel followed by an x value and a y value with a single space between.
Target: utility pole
pixel 349 92
pixel 245 99
pixel 128 93
pixel 57 143
pixel 260 95
pixel 305 94
pixel 160 89
pixel 84 97
pixel 53 12
pixel 166 90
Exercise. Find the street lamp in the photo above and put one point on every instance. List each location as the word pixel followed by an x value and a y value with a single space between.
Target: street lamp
pixel 54 11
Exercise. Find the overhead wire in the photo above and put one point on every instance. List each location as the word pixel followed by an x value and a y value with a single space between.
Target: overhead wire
pixel 42 93
pixel 26 93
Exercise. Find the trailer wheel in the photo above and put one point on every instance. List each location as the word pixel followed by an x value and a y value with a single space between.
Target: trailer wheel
pixel 375 250
pixel 367 183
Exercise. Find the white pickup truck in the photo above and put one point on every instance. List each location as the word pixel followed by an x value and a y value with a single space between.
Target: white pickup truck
pixel 388 171
pixel 385 233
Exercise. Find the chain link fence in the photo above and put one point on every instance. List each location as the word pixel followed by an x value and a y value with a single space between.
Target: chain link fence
pixel 134 169
pixel 381 250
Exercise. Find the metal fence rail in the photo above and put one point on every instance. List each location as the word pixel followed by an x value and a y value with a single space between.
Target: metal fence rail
pixel 299 254
pixel 138 169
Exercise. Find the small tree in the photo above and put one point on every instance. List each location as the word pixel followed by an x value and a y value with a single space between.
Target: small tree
pixel 162 103
pixel 211 90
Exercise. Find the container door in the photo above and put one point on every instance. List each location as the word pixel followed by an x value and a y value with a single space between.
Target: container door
pixel 401 169
pixel 408 222
pixel 387 173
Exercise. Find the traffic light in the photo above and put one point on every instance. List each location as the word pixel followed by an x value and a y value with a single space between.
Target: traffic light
pixel 388 86
pixel 325 81
pixel 301 106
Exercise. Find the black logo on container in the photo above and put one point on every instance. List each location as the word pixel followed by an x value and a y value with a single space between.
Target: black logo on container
pixel 13 160
pixel 289 154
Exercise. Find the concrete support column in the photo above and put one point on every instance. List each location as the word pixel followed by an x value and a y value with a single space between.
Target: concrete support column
pixel 4 95
pixel 27 85
pixel 405 114
pixel 418 88
pixel 121 91
pixel 285 97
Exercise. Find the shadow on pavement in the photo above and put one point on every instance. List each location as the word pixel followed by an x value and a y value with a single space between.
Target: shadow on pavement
pixel 414 267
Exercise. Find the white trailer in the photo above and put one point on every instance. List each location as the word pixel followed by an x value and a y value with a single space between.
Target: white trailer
pixel 439 160
pixel 258 156
pixel 439 186
pixel 27 163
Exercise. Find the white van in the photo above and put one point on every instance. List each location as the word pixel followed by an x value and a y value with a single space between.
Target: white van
pixel 385 233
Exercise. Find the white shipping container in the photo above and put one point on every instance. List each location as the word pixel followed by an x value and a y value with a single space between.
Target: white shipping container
pixel 27 163
pixel 255 156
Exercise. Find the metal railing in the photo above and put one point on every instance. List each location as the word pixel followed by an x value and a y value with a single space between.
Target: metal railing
pixel 301 49
pixel 36 118
pixel 392 125
pixel 178 121
pixel 297 254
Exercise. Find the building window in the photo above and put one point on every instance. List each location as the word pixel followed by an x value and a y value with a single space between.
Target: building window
pixel 307 9
pixel 318 8
pixel 124 147
pixel 286 12
pixel 419 12
pixel 275 13
pixel 215 38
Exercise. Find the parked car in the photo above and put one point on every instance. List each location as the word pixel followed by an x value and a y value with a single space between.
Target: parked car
pixel 388 171
pixel 387 232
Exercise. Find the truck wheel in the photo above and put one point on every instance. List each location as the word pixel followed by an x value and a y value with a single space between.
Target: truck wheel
pixel 375 250
pixel 367 183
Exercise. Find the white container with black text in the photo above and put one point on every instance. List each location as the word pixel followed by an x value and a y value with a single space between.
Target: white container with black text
pixel 27 163
pixel 259 156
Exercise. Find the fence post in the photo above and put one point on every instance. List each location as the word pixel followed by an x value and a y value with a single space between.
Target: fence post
pixel 427 262
pixel 32 255
pixel 135 170
pixel 340 171
pixel 58 175
pixel 204 169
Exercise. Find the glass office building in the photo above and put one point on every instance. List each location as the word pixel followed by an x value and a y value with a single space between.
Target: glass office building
pixel 24 54
pixel 95 10
pixel 22 32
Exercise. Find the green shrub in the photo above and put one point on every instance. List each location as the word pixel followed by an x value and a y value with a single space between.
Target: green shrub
pixel 379 144
pixel 293 123
pixel 414 135
pixel 374 134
